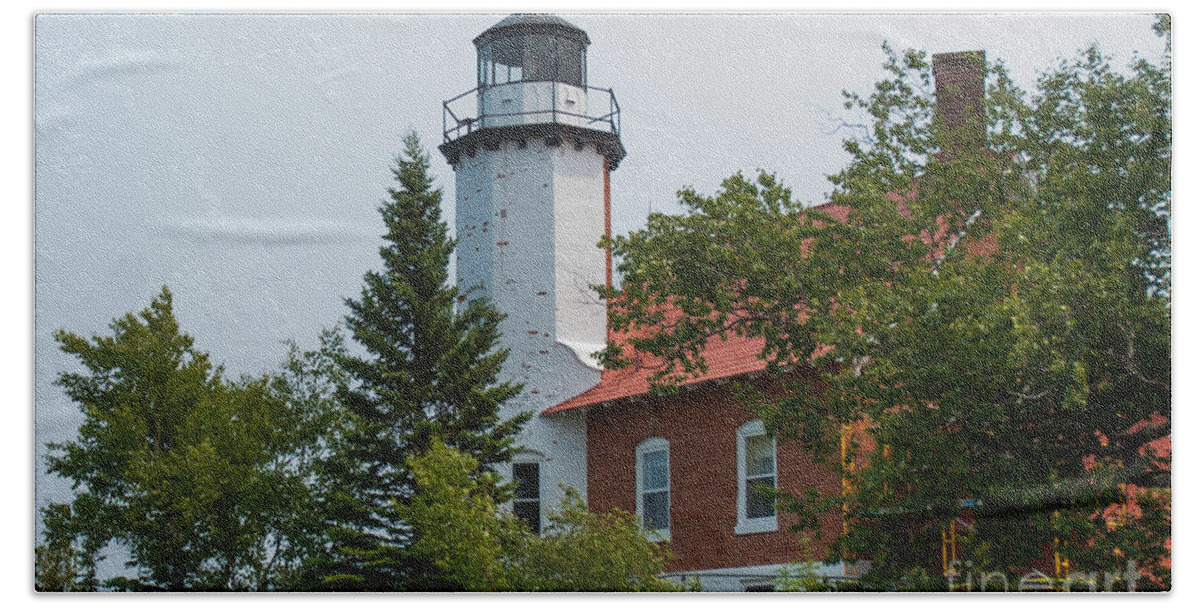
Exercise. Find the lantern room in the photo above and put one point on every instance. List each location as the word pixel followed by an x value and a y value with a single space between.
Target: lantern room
pixel 532 81
pixel 532 70
pixel 532 48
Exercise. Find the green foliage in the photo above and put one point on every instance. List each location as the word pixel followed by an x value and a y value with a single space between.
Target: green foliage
pixel 306 382
pixel 711 264
pixel 459 527
pixel 184 468
pixel 585 551
pixel 478 547
pixel 429 371
pixel 58 566
pixel 802 576
pixel 55 568
pixel 1017 378
pixel 999 314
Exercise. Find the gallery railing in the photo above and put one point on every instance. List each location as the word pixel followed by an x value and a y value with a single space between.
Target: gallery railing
pixel 454 126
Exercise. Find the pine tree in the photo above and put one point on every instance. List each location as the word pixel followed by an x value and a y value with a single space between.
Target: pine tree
pixel 430 370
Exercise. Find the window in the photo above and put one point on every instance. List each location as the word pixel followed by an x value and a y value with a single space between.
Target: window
pixel 756 469
pixel 527 503
pixel 654 485
pixel 760 587
pixel 533 58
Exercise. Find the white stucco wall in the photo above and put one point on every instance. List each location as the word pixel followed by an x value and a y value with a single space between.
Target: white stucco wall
pixel 579 263
pixel 528 220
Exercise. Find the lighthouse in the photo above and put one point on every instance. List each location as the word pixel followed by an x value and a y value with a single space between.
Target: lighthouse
pixel 532 146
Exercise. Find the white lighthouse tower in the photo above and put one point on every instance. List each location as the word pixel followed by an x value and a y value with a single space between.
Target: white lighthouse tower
pixel 532 146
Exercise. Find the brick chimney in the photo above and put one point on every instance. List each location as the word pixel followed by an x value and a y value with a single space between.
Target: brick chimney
pixel 958 81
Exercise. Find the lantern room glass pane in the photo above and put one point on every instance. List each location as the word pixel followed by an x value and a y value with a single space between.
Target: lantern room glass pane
pixel 569 56
pixel 539 58
pixel 503 61
pixel 532 58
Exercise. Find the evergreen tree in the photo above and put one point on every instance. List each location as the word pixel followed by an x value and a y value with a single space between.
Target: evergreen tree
pixel 179 465
pixel 429 370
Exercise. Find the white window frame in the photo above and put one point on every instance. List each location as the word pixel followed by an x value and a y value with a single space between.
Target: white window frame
pixel 747 525
pixel 650 446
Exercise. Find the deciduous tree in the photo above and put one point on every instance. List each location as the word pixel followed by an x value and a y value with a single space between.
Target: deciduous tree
pixel 479 547
pixel 988 305
pixel 173 462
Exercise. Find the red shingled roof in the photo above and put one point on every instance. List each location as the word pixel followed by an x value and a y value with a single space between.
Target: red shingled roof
pixel 725 358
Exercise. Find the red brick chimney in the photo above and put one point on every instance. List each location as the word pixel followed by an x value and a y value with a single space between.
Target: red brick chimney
pixel 958 80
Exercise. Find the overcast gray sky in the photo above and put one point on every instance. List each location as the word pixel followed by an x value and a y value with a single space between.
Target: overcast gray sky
pixel 240 159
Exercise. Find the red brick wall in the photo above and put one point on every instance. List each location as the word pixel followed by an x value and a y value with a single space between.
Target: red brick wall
pixel 701 426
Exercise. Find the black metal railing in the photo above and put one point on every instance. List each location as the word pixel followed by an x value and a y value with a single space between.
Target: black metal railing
pixel 454 127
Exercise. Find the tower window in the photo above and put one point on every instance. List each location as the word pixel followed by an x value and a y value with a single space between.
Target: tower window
pixel 527 504
pixel 756 472
pixel 654 485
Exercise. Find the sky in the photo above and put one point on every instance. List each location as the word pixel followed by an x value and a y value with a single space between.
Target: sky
pixel 240 159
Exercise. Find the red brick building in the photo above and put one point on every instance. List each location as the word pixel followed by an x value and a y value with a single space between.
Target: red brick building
pixel 687 462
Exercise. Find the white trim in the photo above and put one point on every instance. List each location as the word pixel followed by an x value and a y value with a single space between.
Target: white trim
pixel 650 446
pixel 758 524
